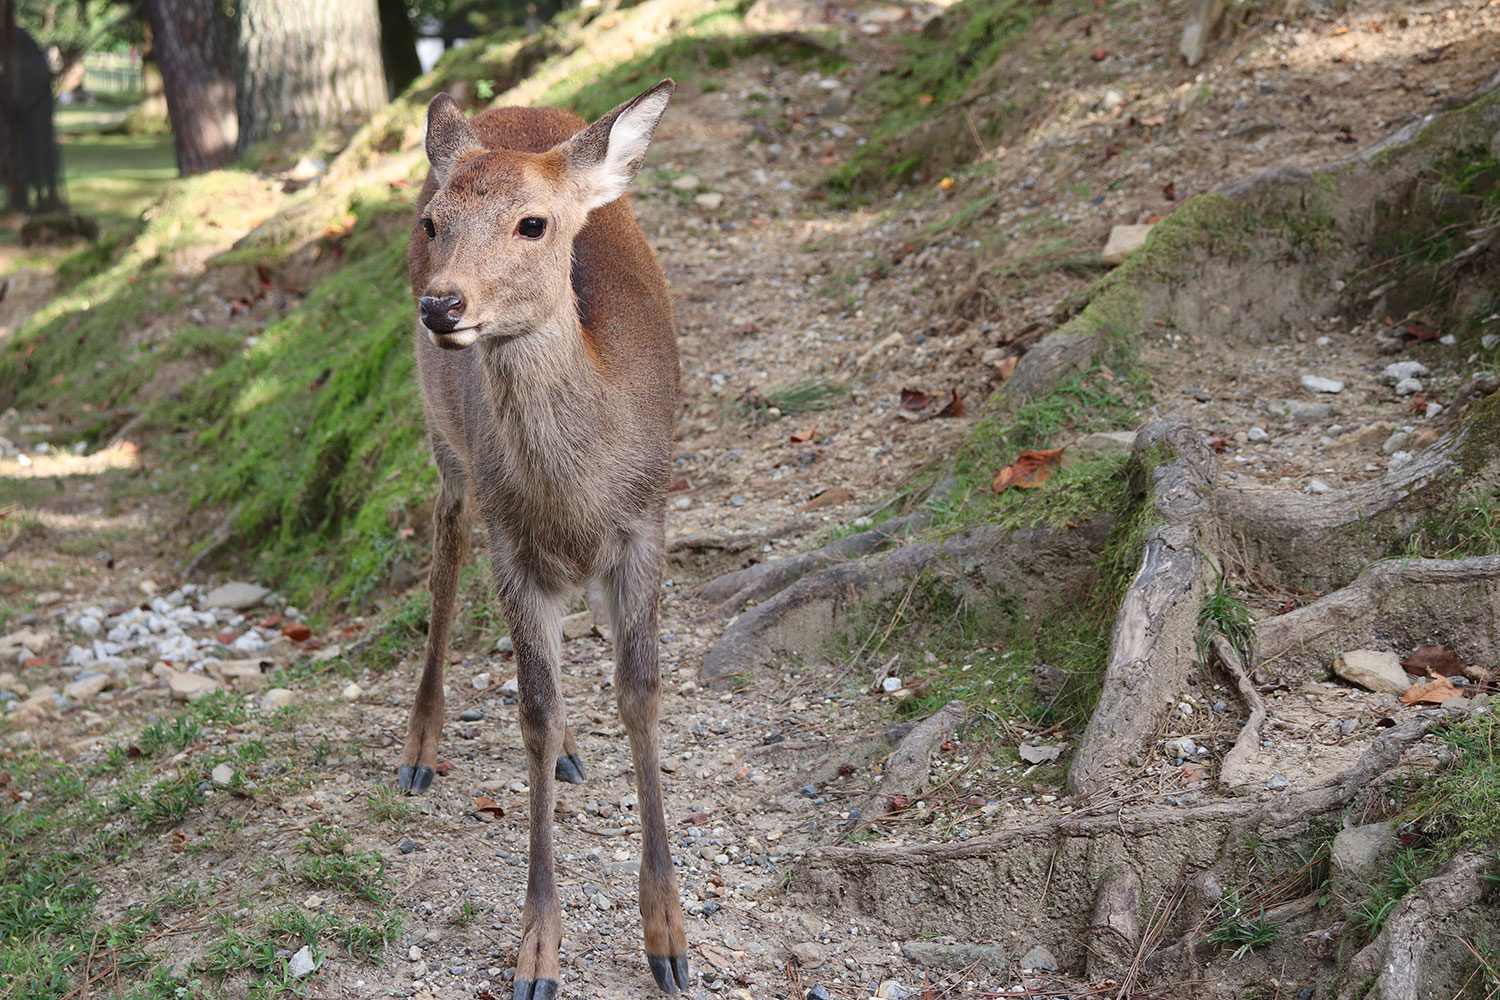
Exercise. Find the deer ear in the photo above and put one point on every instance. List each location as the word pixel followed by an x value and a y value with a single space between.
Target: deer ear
pixel 605 157
pixel 449 136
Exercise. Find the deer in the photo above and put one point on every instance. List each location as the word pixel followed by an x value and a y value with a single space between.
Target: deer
pixel 546 353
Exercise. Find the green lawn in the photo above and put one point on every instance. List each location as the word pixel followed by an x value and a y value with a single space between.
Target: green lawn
pixel 111 177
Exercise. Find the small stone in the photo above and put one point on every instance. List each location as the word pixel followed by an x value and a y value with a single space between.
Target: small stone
pixel 506 644
pixel 710 200
pixel 1373 669
pixel 470 715
pixel 511 686
pixel 276 699
pixel 418 970
pixel 819 992
pixel 481 682
pixel 1433 409
pixel 1400 459
pixel 1396 442
pixel 87 687
pixel 190 687
pixel 578 626
pixel 687 182
pixel 1277 783
pixel 301 964
pixel 236 596
pixel 1258 434
pixel 1317 486
pixel 890 685
pixel 1180 749
pixel 353 692
pixel 1359 850
pixel 891 990
pixel 1408 387
pixel 1317 383
pixel 1399 372
pixel 313 902
pixel 406 846
pixel 1300 411
pixel 222 775
pixel 1122 242
pixel 1039 959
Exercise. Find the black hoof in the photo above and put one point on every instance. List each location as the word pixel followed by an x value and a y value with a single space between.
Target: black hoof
pixel 570 769
pixel 414 780
pixel 536 989
pixel 671 974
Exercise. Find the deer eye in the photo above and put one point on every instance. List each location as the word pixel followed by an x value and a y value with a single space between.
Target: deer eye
pixel 532 227
pixel 430 229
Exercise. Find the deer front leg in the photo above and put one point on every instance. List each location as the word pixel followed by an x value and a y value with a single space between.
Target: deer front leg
pixel 633 590
pixel 534 627
pixel 451 526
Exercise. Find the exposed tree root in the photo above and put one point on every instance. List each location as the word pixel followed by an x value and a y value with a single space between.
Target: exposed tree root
pixel 1115 927
pixel 732 592
pixel 1235 771
pixel 1400 960
pixel 1399 602
pixel 1039 567
pixel 906 768
pixel 1154 646
pixel 1003 882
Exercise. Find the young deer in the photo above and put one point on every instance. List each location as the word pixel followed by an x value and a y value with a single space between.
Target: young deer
pixel 555 426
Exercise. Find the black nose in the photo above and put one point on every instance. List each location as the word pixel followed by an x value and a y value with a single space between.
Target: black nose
pixel 441 313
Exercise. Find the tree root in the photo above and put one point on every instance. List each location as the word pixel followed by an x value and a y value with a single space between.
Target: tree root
pixel 1155 637
pixel 1115 927
pixel 1399 959
pixel 906 768
pixel 1041 568
pixel 1236 771
pixel 1003 881
pixel 1397 602
pixel 732 592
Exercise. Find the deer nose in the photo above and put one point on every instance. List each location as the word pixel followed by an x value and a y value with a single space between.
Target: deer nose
pixel 441 313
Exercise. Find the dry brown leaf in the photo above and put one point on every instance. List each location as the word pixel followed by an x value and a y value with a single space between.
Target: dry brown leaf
pixel 1434 692
pixel 1430 658
pixel 1029 471
pixel 802 437
pixel 1006 367
pixel 485 804
pixel 955 406
pixel 831 497
pixel 914 399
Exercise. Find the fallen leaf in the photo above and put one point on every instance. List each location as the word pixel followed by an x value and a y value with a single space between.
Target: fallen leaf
pixel 802 437
pixel 1219 443
pixel 831 497
pixel 955 406
pixel 1190 773
pixel 1434 692
pixel 1038 755
pixel 442 767
pixel 699 818
pixel 900 803
pixel 1169 191
pixel 678 485
pixel 1430 658
pixel 1421 331
pixel 914 399
pixel 297 632
pixel 714 958
pixel 846 769
pixel 946 184
pixel 1029 471
pixel 1100 54
pixel 485 804
pixel 1006 367
pixel 925 100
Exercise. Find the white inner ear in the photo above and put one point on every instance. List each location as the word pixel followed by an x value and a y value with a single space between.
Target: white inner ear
pixel 628 140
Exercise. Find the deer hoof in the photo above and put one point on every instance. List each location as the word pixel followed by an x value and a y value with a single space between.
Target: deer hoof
pixel 414 780
pixel 536 989
pixel 670 973
pixel 570 769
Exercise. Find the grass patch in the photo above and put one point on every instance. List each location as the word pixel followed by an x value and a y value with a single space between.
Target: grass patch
pixel 1223 614
pixel 788 399
pixel 1244 931
pixel 917 124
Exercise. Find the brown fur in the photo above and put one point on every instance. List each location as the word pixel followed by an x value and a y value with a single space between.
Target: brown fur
pixel 555 428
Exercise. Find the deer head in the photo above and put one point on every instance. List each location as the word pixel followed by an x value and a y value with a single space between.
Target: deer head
pixel 500 226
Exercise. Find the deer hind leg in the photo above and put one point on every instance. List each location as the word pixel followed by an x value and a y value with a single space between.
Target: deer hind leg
pixel 633 588
pixel 569 766
pixel 534 620
pixel 451 523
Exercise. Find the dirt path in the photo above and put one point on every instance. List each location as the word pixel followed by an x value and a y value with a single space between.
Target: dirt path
pixel 829 315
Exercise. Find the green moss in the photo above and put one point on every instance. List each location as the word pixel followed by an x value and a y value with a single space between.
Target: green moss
pixel 940 67
pixel 695 57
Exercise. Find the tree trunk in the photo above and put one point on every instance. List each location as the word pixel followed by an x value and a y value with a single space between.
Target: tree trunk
pixel 398 46
pixel 190 41
pixel 306 63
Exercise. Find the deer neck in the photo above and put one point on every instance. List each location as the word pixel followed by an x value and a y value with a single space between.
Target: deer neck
pixel 545 388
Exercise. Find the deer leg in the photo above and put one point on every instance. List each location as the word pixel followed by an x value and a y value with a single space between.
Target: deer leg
pixel 534 619
pixel 451 523
pixel 634 587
